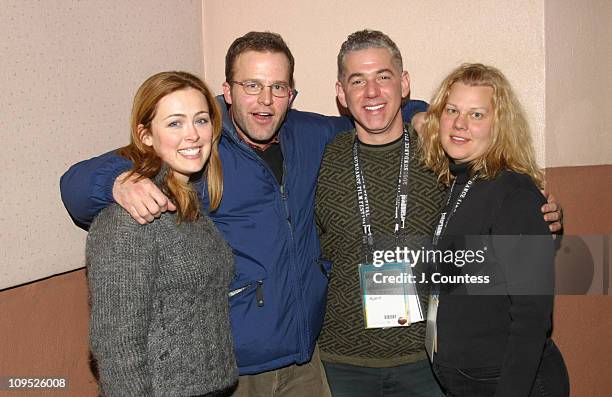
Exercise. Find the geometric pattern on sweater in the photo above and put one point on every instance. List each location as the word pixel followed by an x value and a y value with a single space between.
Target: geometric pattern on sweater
pixel 344 338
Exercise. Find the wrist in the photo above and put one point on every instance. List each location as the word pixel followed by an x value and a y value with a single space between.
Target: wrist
pixel 117 177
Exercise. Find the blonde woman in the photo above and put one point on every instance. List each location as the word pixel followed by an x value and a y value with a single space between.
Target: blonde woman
pixel 159 305
pixel 476 138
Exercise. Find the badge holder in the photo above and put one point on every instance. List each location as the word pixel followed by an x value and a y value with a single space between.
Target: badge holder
pixel 389 295
pixel 431 333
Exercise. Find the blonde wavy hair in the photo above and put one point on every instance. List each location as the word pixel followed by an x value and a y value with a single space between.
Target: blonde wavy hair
pixel 511 145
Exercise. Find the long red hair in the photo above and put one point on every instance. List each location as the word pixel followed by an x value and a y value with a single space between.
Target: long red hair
pixel 148 164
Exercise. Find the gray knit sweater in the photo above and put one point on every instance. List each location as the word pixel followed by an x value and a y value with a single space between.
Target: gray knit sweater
pixel 159 305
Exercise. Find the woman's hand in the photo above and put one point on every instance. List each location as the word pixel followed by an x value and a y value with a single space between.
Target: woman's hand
pixel 553 213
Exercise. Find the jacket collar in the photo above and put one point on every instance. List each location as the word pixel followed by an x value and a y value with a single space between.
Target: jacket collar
pixel 229 130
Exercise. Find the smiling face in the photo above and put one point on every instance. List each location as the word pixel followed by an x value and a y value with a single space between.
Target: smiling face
pixel 372 89
pixel 258 117
pixel 181 132
pixel 466 122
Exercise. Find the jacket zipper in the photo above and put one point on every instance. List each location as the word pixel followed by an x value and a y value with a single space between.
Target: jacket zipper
pixel 237 291
pixel 301 315
pixel 258 292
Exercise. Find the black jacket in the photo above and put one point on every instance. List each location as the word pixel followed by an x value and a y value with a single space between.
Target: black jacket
pixel 500 323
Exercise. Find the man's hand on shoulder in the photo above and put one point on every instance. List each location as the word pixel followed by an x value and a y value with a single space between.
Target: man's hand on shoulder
pixel 553 213
pixel 417 121
pixel 141 198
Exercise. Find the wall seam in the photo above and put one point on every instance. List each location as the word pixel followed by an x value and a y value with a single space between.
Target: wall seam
pixel 203 35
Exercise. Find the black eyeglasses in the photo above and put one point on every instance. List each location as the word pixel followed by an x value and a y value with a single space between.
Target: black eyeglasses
pixel 254 87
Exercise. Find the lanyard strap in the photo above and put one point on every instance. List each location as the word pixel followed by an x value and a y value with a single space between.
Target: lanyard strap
pixel 447 214
pixel 401 198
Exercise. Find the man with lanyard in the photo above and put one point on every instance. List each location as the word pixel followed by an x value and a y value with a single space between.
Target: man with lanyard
pixel 270 159
pixel 374 194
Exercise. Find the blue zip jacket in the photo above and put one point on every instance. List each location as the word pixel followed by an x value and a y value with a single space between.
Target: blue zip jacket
pixel 277 299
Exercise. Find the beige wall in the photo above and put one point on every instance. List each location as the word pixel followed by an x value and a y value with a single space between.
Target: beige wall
pixel 70 69
pixel 578 82
pixel 68 73
pixel 433 36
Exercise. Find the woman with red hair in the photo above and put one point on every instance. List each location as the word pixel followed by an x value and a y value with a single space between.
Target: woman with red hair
pixel 159 292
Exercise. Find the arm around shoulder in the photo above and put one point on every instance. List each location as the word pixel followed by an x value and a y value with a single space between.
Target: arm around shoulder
pixel 86 188
pixel 412 107
pixel 336 124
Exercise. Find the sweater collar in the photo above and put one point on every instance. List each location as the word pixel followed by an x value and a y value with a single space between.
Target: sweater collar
pixel 162 176
pixel 461 172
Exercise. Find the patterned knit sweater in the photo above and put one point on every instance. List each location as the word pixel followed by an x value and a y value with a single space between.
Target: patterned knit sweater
pixel 159 305
pixel 344 338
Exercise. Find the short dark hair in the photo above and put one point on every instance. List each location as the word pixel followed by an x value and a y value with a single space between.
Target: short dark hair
pixel 364 39
pixel 261 42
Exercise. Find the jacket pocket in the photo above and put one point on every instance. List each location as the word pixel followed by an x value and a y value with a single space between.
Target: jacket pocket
pixel 485 374
pixel 246 289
